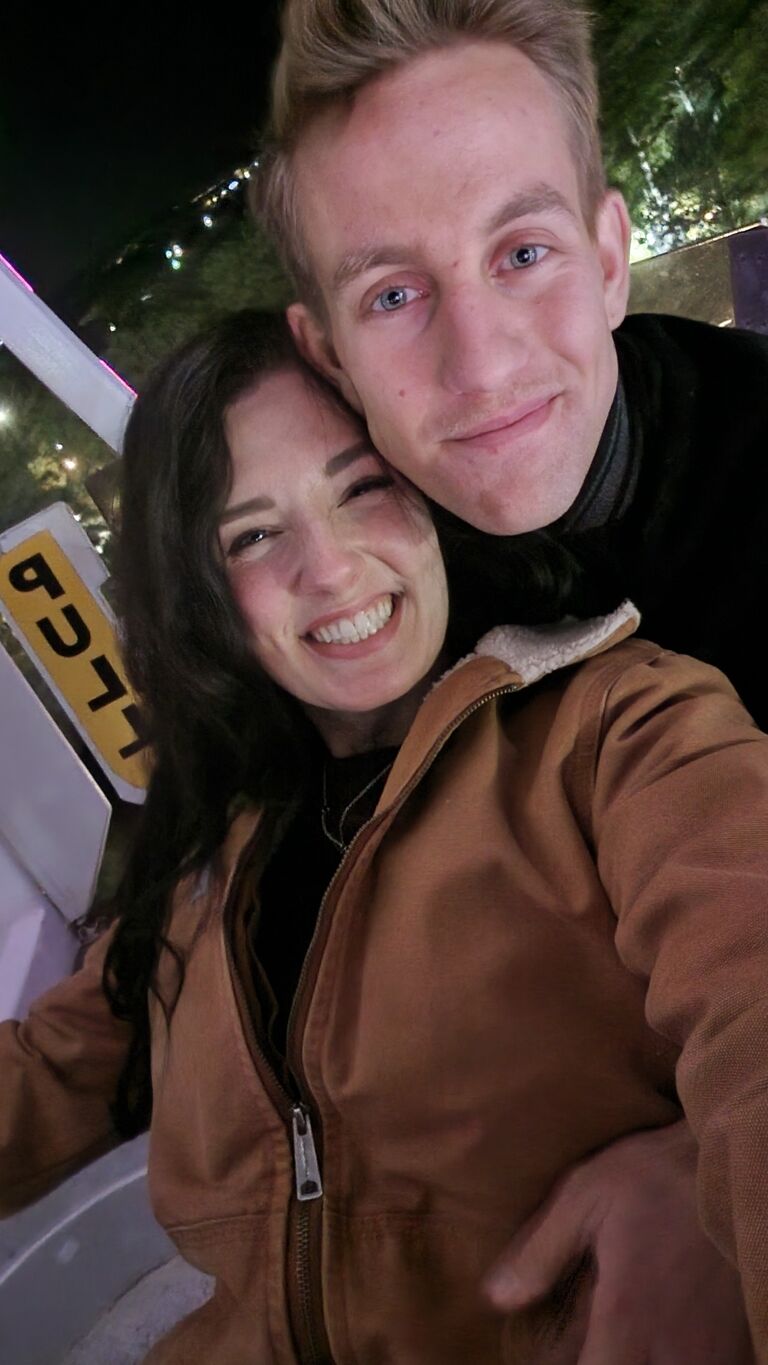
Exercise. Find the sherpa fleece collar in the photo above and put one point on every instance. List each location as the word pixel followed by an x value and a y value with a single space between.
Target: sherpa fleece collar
pixel 534 651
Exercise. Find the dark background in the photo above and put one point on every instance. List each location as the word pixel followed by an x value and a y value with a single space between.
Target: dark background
pixel 107 122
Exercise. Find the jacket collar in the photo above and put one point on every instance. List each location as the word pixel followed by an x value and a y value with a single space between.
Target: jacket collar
pixel 531 652
pixel 534 651
pixel 508 658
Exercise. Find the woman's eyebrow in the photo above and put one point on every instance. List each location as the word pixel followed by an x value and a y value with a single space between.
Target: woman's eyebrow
pixel 239 510
pixel 346 457
pixel 342 460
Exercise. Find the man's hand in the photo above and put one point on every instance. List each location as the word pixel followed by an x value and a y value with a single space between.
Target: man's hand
pixel 661 1293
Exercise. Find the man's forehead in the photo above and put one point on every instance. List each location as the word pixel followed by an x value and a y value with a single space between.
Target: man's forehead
pixel 464 79
pixel 411 169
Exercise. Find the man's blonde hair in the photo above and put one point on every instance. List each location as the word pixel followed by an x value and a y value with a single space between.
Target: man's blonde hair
pixel 332 48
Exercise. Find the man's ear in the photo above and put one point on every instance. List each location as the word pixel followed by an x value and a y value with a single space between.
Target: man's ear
pixel 613 232
pixel 316 346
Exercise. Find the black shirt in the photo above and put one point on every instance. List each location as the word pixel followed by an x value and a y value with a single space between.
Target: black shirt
pixel 690 545
pixel 341 798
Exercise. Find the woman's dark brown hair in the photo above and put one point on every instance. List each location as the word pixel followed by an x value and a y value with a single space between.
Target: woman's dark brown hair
pixel 219 728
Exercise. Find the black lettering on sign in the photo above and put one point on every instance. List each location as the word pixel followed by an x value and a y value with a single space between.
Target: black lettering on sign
pixel 132 715
pixel 33 573
pixel 113 688
pixel 66 649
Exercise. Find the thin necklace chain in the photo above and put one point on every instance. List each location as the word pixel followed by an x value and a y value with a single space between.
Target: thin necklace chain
pixel 339 842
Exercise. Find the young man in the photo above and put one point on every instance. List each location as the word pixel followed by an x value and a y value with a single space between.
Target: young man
pixel 461 273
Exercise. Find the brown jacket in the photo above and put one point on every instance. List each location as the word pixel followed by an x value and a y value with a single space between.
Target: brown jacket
pixel 554 923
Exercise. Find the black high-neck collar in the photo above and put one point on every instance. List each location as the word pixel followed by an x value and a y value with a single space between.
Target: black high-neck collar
pixel 611 479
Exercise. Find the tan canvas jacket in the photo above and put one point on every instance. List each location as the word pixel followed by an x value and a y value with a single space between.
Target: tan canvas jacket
pixel 555 923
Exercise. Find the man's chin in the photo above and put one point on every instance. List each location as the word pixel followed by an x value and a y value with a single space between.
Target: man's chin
pixel 503 517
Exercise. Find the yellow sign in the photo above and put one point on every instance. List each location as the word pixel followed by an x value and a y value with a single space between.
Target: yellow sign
pixel 70 636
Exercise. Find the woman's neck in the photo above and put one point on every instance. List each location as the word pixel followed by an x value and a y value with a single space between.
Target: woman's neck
pixel 355 732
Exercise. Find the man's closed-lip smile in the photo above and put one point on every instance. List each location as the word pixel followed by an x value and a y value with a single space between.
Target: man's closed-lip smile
pixel 525 417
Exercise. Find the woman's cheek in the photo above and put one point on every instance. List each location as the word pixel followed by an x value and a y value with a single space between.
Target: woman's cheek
pixel 251 595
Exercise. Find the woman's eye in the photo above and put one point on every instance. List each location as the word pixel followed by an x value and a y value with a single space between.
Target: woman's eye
pixel 525 256
pixel 396 297
pixel 246 540
pixel 369 486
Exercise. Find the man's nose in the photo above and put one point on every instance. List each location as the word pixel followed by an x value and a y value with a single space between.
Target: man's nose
pixel 484 340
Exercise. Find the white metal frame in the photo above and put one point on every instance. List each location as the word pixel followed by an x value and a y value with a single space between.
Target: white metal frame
pixel 61 361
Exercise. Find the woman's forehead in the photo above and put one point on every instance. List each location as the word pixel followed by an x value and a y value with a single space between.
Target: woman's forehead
pixel 285 428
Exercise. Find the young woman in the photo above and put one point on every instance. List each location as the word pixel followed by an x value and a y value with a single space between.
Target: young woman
pixel 412 924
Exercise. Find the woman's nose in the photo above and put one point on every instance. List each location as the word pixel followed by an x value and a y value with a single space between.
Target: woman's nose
pixel 329 563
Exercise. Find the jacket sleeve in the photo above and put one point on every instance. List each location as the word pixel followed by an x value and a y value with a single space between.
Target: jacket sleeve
pixel 680 821
pixel 58 1075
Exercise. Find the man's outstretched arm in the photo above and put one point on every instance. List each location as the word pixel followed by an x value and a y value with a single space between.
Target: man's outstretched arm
pixel 661 1293
pixel 676 798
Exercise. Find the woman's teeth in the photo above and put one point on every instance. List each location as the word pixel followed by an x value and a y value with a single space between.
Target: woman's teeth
pixel 351 630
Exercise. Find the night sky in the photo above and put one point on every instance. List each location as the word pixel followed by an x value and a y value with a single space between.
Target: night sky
pixel 104 127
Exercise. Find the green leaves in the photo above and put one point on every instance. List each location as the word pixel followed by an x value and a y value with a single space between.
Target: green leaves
pixel 685 113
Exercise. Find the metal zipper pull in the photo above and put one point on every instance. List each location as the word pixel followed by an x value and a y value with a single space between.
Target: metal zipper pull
pixel 308 1182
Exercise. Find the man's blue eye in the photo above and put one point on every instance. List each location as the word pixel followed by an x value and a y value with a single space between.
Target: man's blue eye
pixel 391 300
pixel 525 256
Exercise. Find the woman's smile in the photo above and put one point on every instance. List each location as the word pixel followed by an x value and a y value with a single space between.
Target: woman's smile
pixel 341 635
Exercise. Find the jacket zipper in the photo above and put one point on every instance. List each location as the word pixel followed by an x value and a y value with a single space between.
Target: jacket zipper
pixel 308 1188
pixel 308 1182
pixel 314 1351
pixel 294 1110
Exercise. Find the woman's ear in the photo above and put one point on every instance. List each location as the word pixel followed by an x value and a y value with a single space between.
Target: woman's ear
pixel 316 346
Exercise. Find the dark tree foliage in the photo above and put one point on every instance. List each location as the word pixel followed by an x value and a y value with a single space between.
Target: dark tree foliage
pixel 685 113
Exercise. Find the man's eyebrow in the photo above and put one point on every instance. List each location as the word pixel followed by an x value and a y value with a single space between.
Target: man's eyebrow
pixel 335 465
pixel 537 199
pixel 357 262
